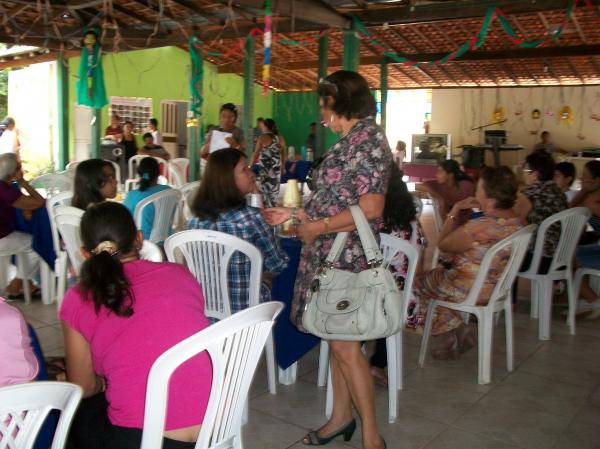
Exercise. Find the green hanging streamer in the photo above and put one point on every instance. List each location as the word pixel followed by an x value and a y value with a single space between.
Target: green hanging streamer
pixel 196 76
pixel 90 83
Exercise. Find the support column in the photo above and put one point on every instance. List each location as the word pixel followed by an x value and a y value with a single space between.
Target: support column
pixel 323 63
pixel 351 56
pixel 62 97
pixel 194 121
pixel 248 119
pixel 384 91
pixel 96 127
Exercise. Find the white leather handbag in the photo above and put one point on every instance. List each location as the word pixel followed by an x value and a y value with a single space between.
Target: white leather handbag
pixel 342 305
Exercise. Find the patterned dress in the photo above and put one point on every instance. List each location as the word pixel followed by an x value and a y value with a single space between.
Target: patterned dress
pixel 359 163
pixel 454 284
pixel 546 199
pixel 269 175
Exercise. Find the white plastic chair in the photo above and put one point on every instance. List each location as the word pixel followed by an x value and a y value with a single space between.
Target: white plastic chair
pixel 439 224
pixel 165 204
pixel 178 170
pixel 207 255
pixel 187 192
pixel 134 161
pixel 151 252
pixel 24 407
pixel 53 183
pixel 418 202
pixel 68 221
pixel 234 346
pixel 22 255
pixel 71 165
pixel 60 265
pixel 500 299
pixel 572 222
pixel 390 247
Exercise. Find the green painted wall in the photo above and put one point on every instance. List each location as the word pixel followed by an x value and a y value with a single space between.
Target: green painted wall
pixel 162 74
pixel 294 112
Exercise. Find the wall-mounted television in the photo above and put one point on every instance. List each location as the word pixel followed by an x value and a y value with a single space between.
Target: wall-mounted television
pixel 430 148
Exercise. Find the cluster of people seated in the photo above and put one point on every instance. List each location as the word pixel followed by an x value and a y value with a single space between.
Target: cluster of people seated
pixel 122 134
pixel 107 314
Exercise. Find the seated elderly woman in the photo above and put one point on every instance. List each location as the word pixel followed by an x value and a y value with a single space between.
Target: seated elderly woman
pixel 95 181
pixel 117 321
pixel 220 205
pixel 467 243
pixel 12 198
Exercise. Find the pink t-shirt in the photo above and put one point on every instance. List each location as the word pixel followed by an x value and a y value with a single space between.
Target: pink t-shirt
pixel 17 360
pixel 168 307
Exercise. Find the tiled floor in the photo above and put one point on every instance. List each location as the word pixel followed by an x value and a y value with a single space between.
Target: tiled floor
pixel 551 399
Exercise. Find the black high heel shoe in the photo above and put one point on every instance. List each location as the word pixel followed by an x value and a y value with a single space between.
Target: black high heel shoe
pixel 313 439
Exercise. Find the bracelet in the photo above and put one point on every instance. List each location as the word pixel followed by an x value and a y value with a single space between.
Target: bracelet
pixel 326 222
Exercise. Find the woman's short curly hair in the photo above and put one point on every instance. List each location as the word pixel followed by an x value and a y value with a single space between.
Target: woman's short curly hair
pixel 347 93
pixel 500 183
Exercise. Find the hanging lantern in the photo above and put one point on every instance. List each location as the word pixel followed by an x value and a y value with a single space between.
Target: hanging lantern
pixel 565 115
pixel 536 114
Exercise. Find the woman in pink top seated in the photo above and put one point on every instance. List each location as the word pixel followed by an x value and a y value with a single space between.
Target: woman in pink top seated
pixel 17 360
pixel 123 314
pixel 451 185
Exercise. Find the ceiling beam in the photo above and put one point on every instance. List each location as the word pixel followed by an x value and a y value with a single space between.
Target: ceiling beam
pixel 516 53
pixel 454 44
pixel 412 14
pixel 313 11
pixel 28 60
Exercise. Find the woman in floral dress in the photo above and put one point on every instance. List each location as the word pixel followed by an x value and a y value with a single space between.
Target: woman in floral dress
pixel 467 242
pixel 355 170
pixel 268 157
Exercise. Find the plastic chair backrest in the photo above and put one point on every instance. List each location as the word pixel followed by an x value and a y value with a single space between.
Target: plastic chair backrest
pixel 517 244
pixel 418 202
pixel 437 215
pixel 390 247
pixel 571 222
pixel 24 408
pixel 60 199
pixel 53 183
pixel 165 204
pixel 71 165
pixel 187 195
pixel 134 161
pixel 178 170
pixel 117 168
pixel 68 221
pixel 234 345
pixel 207 255
pixel 151 252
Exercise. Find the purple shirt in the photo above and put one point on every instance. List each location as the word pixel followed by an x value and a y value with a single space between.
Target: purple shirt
pixel 18 363
pixel 168 307
pixel 8 195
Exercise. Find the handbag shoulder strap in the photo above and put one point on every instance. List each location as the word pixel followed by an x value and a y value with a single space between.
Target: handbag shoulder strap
pixel 370 247
pixel 367 239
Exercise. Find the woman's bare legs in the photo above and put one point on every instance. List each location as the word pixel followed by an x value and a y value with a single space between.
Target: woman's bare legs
pixel 352 383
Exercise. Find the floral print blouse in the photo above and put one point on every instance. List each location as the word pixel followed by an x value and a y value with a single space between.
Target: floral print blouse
pixel 359 163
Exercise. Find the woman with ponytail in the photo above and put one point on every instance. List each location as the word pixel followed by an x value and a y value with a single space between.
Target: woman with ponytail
pixel 148 171
pixel 450 186
pixel 117 321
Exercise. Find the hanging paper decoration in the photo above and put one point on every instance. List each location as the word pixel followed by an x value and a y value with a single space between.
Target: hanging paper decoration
pixel 90 85
pixel 536 114
pixel 195 83
pixel 499 114
pixel 267 48
pixel 565 115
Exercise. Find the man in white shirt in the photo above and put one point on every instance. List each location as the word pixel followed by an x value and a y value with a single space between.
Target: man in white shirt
pixel 153 129
pixel 9 140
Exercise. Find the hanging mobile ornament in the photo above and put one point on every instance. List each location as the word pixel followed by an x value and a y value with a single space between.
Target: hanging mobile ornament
pixel 90 84
pixel 267 37
pixel 499 114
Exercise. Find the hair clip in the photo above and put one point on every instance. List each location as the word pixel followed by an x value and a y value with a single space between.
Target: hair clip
pixel 325 82
pixel 107 245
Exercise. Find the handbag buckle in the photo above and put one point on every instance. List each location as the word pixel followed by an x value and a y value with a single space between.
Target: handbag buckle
pixel 374 263
pixel 342 305
pixel 315 285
